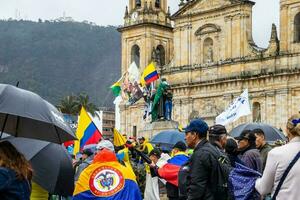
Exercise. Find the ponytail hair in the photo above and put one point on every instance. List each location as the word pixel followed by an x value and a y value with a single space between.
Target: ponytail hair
pixel 293 125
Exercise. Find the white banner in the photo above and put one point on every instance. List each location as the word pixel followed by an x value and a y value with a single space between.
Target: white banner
pixel 117 102
pixel 133 73
pixel 238 108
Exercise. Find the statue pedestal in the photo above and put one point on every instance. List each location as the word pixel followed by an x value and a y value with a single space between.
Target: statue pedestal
pixel 153 128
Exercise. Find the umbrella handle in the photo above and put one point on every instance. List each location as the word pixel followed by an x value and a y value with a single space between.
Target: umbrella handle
pixel 4 124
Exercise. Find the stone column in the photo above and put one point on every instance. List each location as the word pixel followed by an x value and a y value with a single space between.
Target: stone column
pixel 228 51
pixel 281 114
pixel 176 114
pixel 185 109
pixel 270 108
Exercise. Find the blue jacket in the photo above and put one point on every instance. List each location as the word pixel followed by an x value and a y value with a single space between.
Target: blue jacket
pixel 12 188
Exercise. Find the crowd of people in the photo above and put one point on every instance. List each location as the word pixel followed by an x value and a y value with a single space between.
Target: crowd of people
pixel 219 167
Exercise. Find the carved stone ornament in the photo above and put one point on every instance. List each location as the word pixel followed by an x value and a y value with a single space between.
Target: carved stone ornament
pixel 207 28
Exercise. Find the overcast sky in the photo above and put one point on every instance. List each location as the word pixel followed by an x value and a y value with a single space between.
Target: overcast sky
pixel 111 12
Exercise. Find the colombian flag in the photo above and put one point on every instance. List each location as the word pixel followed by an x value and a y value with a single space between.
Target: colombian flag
pixel 169 171
pixel 106 179
pixel 87 132
pixel 116 88
pixel 119 140
pixel 150 74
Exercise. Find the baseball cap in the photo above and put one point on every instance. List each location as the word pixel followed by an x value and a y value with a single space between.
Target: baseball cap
pixel 217 129
pixel 180 145
pixel 141 138
pixel 105 144
pixel 197 125
pixel 247 135
pixel 155 152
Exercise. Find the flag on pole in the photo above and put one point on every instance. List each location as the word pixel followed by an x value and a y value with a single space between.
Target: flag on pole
pixel 133 73
pixel 87 132
pixel 149 75
pixel 116 88
pixel 119 140
pixel 123 154
pixel 238 108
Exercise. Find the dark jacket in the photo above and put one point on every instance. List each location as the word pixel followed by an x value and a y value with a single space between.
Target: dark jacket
pixel 251 158
pixel 12 188
pixel 264 150
pixel 202 179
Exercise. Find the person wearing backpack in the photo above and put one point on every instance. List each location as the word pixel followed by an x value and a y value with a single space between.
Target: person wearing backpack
pixel 204 168
pixel 87 158
pixel 281 176
pixel 218 137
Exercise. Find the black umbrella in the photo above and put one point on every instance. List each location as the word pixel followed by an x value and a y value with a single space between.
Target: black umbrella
pixel 271 133
pixel 51 163
pixel 167 139
pixel 26 114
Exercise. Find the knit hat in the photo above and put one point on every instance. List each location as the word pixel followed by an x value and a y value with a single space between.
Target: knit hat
pixel 217 130
pixel 87 152
pixel 180 145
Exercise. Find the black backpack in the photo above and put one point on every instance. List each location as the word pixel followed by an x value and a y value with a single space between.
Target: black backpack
pixel 222 191
pixel 182 180
pixel 223 170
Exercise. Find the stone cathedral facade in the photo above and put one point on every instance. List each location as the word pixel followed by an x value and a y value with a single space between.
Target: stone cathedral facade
pixel 206 52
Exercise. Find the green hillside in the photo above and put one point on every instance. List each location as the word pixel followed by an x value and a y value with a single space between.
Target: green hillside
pixel 56 59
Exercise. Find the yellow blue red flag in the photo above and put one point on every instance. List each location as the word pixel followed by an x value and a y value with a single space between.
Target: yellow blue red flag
pixel 150 74
pixel 119 140
pixel 87 132
pixel 106 179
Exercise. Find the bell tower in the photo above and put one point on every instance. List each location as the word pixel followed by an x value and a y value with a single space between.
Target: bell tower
pixel 290 26
pixel 147 34
pixel 142 4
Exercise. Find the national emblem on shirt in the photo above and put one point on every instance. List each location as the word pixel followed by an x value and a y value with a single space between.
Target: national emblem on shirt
pixel 106 181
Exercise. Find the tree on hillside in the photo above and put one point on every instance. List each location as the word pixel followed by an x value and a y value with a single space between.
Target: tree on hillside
pixel 84 100
pixel 69 105
pixel 57 58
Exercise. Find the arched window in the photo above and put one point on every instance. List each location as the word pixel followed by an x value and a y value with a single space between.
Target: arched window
pixel 138 3
pixel 135 55
pixel 297 28
pixel 160 55
pixel 256 112
pixel 157 3
pixel 208 54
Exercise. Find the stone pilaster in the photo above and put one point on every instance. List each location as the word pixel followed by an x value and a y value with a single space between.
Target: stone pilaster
pixel 281 114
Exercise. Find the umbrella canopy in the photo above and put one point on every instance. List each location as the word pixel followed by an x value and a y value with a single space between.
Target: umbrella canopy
pixel 167 139
pixel 271 133
pixel 51 163
pixel 26 114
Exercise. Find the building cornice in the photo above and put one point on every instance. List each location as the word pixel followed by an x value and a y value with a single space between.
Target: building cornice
pixel 178 15
pixel 143 24
pixel 232 61
pixel 245 75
